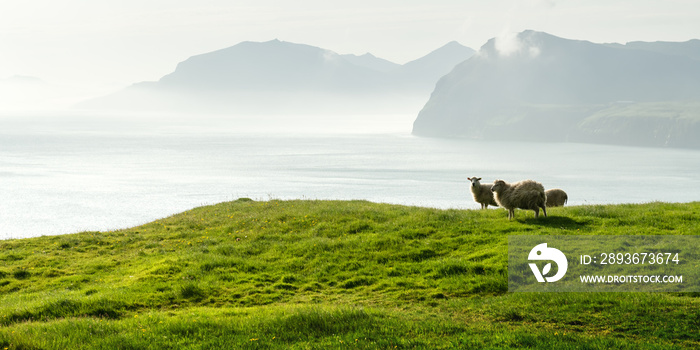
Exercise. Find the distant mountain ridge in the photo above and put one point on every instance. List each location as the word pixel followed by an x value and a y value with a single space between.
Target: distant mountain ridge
pixel 689 49
pixel 427 70
pixel 272 65
pixel 372 62
pixel 539 87
pixel 283 76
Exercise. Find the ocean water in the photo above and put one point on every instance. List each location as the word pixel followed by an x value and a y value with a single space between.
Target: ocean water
pixel 67 174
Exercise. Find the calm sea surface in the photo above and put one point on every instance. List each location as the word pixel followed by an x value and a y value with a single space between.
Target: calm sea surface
pixel 64 175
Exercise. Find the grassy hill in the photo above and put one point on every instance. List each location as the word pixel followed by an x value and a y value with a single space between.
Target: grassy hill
pixel 329 274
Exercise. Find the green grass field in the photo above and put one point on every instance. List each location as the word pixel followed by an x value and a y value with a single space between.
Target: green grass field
pixel 330 274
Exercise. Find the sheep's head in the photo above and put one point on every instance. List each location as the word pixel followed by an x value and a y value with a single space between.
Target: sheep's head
pixel 498 185
pixel 475 181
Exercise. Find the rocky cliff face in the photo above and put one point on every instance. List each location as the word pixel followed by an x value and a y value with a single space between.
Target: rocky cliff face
pixel 535 86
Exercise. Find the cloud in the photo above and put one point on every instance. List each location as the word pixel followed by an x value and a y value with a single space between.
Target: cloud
pixel 508 43
pixel 511 43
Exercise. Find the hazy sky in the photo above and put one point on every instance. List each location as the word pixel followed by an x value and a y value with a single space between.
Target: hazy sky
pixel 126 41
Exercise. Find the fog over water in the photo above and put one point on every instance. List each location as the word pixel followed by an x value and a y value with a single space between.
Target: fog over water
pixel 69 173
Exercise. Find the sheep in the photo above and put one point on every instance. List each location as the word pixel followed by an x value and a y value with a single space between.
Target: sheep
pixel 526 194
pixel 556 197
pixel 482 193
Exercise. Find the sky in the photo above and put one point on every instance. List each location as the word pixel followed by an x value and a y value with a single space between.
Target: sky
pixel 110 44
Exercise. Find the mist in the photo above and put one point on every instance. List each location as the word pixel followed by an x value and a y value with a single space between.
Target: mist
pixel 278 119
pixel 279 86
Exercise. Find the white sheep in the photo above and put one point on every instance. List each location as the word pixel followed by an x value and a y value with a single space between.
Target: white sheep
pixel 526 194
pixel 556 197
pixel 482 193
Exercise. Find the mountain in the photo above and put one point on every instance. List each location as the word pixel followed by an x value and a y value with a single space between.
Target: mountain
pixel 538 87
pixel 427 70
pixel 372 62
pixel 283 77
pixel 690 48
pixel 273 65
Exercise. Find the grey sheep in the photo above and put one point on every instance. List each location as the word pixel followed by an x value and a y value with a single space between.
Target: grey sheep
pixel 556 197
pixel 526 194
pixel 482 193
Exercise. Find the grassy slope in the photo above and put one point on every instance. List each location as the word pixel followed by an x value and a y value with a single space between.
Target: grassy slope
pixel 307 274
pixel 652 124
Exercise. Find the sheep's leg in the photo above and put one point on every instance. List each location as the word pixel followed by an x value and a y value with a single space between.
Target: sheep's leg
pixel 537 212
pixel 511 214
pixel 544 210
